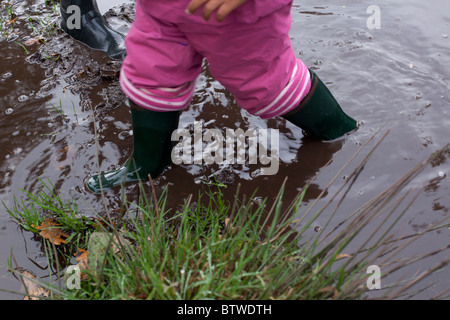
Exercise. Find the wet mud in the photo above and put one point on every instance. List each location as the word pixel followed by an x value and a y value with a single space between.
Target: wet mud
pixel 395 78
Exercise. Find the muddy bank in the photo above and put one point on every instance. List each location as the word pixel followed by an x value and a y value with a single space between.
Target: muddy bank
pixel 51 93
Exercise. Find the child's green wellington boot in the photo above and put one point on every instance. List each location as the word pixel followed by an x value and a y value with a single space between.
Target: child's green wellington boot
pixel 152 148
pixel 93 30
pixel 320 115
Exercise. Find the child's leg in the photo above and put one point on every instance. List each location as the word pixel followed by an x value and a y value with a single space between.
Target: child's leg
pixel 161 67
pixel 158 76
pixel 255 61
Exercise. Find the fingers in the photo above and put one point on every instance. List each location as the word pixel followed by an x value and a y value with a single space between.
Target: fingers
pixel 194 5
pixel 223 8
pixel 210 7
pixel 226 8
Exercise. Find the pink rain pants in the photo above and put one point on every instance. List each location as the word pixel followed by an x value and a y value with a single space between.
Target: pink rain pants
pixel 250 54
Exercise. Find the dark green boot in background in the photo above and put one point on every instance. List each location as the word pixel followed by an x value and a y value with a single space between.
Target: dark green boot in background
pixel 320 115
pixel 152 150
pixel 93 31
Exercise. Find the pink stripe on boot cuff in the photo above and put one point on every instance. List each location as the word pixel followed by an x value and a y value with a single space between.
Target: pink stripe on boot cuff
pixel 291 96
pixel 158 99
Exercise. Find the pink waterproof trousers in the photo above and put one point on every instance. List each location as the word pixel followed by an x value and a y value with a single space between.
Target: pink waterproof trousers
pixel 250 54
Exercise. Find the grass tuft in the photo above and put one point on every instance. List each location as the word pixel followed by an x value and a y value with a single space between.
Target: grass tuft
pixel 211 249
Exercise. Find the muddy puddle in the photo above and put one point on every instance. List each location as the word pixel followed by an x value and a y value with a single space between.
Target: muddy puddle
pixel 395 78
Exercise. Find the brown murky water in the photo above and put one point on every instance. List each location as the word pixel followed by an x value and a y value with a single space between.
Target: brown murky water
pixel 398 73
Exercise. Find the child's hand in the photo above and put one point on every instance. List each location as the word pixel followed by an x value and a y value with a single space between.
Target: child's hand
pixel 223 7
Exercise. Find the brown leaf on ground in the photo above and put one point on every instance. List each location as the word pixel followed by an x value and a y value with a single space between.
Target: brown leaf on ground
pixel 32 41
pixel 118 244
pixel 82 258
pixel 50 231
pixel 80 255
pixel 32 289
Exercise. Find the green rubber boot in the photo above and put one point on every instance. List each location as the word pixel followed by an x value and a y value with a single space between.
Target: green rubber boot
pixel 152 148
pixel 320 115
pixel 93 29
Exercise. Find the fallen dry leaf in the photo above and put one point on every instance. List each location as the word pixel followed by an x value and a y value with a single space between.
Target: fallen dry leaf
pixel 32 41
pixel 32 289
pixel 51 232
pixel 82 258
pixel 119 243
pixel 12 21
pixel 80 255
